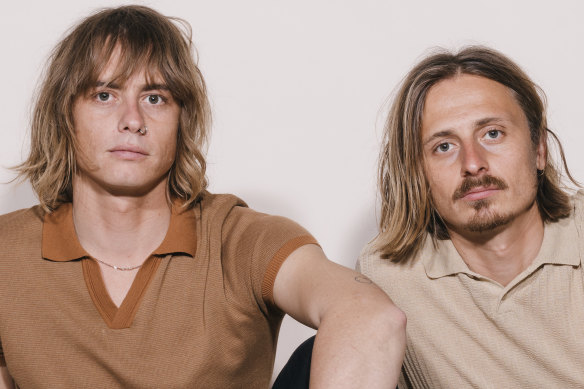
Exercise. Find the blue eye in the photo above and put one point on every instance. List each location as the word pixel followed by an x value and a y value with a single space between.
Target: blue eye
pixel 493 134
pixel 443 147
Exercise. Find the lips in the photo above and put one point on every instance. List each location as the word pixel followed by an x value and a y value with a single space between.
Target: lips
pixel 479 193
pixel 129 152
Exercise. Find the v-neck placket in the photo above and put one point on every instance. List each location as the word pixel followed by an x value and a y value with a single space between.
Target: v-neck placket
pixel 118 317
pixel 60 244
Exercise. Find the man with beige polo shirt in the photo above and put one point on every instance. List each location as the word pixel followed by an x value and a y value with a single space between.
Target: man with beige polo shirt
pixel 129 274
pixel 479 243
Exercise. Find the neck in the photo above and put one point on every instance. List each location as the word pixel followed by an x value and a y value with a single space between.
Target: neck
pixel 120 230
pixel 504 253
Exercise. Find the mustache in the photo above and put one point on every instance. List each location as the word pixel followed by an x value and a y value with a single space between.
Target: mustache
pixel 470 183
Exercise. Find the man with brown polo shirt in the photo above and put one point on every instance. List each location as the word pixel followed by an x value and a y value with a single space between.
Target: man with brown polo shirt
pixel 129 273
pixel 479 244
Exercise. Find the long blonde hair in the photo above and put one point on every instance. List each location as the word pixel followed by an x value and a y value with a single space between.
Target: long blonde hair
pixel 146 40
pixel 407 213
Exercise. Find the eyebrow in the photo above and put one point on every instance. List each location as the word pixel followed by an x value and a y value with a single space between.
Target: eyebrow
pixel 155 86
pixel 479 123
pixel 487 120
pixel 437 135
pixel 146 87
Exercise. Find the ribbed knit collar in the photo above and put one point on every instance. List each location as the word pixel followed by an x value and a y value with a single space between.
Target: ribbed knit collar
pixel 60 242
pixel 560 246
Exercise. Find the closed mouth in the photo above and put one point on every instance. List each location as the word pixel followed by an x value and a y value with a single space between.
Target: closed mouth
pixel 129 153
pixel 478 188
pixel 479 193
pixel 129 149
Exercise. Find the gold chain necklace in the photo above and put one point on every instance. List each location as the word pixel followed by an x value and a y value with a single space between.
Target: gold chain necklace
pixel 121 268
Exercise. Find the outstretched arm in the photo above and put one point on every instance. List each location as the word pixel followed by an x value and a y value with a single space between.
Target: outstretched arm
pixel 360 341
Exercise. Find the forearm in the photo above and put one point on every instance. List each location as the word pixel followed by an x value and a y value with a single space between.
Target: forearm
pixel 359 344
pixel 361 334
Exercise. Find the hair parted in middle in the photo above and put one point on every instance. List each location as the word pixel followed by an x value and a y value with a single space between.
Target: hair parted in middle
pixel 407 213
pixel 141 38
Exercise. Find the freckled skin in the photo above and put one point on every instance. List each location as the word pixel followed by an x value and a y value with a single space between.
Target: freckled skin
pixel 473 127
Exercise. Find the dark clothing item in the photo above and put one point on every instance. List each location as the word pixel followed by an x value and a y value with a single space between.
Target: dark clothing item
pixel 296 372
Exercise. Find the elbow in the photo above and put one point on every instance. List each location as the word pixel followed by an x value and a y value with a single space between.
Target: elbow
pixel 388 330
pixel 392 321
pixel 398 318
pixel 380 318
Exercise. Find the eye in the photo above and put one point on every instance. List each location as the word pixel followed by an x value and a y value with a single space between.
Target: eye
pixel 443 147
pixel 155 99
pixel 103 96
pixel 493 134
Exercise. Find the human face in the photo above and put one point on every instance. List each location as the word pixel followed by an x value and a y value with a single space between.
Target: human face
pixel 113 155
pixel 479 159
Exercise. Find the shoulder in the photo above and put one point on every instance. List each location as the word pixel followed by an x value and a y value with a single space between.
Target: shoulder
pixel 251 223
pixel 369 259
pixel 238 221
pixel 217 206
pixel 578 210
pixel 20 224
pixel 390 276
pixel 257 232
pixel 578 204
pixel 251 245
pixel 21 216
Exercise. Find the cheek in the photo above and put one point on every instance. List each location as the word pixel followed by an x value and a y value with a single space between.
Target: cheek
pixel 530 173
pixel 522 165
pixel 438 180
pixel 171 156
pixel 440 191
pixel 170 148
pixel 85 144
pixel 85 130
pixel 88 145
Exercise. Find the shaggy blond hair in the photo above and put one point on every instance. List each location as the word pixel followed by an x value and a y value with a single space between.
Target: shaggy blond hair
pixel 146 40
pixel 407 213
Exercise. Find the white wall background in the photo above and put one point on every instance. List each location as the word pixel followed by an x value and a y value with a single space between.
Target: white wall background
pixel 298 90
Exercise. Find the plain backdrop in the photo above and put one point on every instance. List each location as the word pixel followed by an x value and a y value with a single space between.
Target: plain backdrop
pixel 299 92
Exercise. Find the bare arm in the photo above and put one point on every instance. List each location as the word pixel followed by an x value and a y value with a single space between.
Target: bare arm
pixel 5 379
pixel 361 334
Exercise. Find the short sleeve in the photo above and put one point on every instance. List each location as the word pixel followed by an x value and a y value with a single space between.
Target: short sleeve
pixel 254 247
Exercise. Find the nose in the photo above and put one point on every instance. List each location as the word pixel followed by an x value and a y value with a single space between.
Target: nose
pixel 131 118
pixel 474 160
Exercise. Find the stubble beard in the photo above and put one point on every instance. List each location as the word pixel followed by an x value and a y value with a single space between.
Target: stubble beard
pixel 484 219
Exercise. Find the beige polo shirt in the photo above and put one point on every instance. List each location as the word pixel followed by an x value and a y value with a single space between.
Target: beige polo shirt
pixel 200 312
pixel 467 331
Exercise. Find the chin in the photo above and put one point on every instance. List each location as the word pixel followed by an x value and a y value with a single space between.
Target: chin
pixel 488 224
pixel 134 189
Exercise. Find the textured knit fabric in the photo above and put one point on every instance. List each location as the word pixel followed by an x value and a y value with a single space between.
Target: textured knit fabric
pixel 199 314
pixel 466 331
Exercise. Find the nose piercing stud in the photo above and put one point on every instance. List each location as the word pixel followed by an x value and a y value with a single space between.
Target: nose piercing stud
pixel 143 131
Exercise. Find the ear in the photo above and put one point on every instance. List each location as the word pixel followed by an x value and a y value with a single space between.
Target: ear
pixel 541 152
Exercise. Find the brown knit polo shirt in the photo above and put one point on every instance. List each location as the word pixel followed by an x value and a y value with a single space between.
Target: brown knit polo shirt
pixel 200 312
